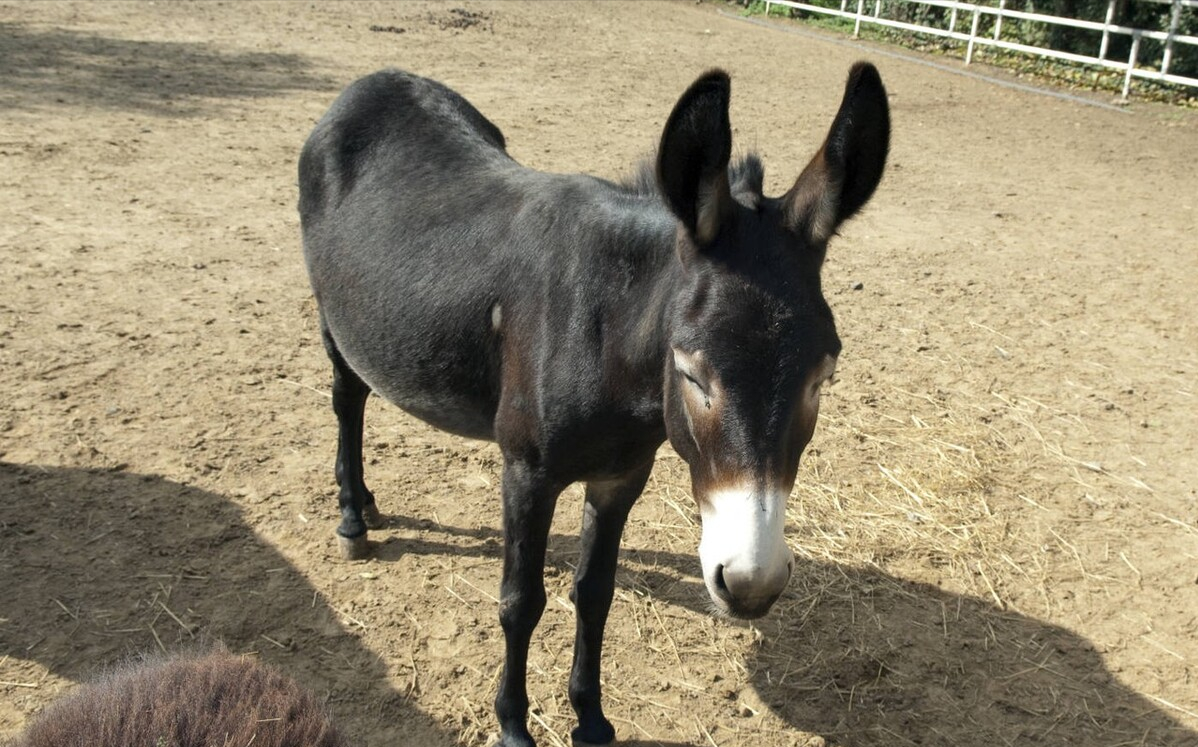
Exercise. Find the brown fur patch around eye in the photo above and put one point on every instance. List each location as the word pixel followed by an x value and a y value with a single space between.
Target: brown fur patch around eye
pixel 701 405
pixel 703 415
pixel 808 411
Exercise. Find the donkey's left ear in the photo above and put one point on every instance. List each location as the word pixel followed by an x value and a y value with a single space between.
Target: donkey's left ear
pixel 844 173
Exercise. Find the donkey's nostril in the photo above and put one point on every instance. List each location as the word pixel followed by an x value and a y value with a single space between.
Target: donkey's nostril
pixel 720 584
pixel 748 592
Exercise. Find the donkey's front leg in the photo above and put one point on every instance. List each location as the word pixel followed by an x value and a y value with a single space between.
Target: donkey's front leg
pixel 528 503
pixel 604 514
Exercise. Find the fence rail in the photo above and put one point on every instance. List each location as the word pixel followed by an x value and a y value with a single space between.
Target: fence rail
pixel 1132 66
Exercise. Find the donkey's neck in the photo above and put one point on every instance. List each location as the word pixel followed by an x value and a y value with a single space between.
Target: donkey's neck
pixel 647 234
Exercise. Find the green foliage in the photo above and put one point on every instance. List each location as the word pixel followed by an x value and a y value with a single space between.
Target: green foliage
pixel 758 8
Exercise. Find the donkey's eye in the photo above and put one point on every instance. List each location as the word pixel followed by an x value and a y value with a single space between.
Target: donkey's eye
pixel 824 376
pixel 686 364
pixel 693 381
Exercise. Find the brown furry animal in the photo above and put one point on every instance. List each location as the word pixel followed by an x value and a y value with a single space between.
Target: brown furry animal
pixel 209 700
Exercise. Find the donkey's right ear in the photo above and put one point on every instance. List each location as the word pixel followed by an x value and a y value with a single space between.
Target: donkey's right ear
pixel 692 160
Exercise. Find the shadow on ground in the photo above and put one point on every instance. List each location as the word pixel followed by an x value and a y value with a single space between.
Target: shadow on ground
pixel 99 566
pixel 42 69
pixel 864 658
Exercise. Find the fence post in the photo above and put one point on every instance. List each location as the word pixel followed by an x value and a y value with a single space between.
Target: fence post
pixel 952 19
pixel 878 9
pixel 1106 30
pixel 1174 20
pixel 973 32
pixel 1002 5
pixel 857 25
pixel 1131 61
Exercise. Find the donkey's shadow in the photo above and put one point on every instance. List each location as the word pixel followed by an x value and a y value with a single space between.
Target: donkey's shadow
pixel 866 658
pixel 92 574
pixel 97 567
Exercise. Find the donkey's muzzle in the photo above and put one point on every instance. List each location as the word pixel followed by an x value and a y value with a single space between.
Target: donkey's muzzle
pixel 746 563
pixel 747 595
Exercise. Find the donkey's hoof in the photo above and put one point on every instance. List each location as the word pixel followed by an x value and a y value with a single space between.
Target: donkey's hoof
pixel 353 548
pixel 599 734
pixel 373 517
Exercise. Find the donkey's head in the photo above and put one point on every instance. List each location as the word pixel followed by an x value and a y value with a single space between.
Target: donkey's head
pixel 751 337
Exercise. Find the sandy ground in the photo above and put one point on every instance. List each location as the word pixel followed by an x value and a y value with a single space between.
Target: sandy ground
pixel 997 523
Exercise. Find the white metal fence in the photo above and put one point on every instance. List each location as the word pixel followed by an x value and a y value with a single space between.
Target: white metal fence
pixel 871 11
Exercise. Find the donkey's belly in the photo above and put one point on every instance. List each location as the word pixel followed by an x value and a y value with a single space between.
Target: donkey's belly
pixel 458 416
pixel 438 367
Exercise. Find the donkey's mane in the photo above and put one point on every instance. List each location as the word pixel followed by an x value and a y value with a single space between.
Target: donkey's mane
pixel 744 174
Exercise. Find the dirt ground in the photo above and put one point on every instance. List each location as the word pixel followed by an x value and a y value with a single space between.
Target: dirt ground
pixel 996 525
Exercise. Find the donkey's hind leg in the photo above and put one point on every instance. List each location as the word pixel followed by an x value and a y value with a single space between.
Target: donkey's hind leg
pixel 358 509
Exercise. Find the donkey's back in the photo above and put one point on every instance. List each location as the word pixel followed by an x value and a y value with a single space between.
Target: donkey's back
pixel 427 246
pixel 399 249
pixel 384 124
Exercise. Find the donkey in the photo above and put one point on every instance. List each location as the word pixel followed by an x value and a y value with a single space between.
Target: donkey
pixel 579 323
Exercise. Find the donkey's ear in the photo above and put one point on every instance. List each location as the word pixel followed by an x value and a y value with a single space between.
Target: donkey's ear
pixel 844 173
pixel 692 160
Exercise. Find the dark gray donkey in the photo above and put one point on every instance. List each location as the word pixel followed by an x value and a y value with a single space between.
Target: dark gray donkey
pixel 579 323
